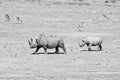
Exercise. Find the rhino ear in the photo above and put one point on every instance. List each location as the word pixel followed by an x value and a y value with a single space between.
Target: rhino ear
pixel 83 41
pixel 31 39
pixel 36 40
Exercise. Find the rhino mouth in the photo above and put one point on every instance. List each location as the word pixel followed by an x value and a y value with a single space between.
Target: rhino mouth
pixel 81 45
pixel 31 45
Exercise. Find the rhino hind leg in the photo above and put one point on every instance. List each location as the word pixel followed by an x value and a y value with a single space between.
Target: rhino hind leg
pixel 89 49
pixel 36 50
pixel 100 47
pixel 56 49
pixel 64 49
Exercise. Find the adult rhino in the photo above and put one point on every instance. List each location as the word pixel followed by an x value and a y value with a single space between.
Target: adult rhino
pixel 47 42
pixel 92 41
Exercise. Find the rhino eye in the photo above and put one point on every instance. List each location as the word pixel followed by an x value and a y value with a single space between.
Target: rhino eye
pixel 36 40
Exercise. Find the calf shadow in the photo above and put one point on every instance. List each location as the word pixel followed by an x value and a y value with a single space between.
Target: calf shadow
pixel 91 50
pixel 49 53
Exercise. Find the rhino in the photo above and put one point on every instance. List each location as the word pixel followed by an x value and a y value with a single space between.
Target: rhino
pixel 92 41
pixel 47 42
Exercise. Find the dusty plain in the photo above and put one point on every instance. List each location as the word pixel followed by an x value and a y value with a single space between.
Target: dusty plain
pixel 17 63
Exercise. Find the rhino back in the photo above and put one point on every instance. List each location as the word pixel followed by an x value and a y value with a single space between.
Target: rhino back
pixel 42 41
pixel 93 40
pixel 50 41
pixel 53 42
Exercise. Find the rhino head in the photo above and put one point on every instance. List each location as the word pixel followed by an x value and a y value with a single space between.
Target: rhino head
pixel 32 43
pixel 82 43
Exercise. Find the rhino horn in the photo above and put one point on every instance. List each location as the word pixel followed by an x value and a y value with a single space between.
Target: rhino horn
pixel 29 42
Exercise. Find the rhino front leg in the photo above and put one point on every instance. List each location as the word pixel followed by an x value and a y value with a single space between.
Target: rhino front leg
pixel 89 47
pixel 36 50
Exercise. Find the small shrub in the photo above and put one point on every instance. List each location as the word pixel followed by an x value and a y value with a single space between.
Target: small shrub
pixel 87 4
pixel 0 2
pixel 113 1
pixel 107 1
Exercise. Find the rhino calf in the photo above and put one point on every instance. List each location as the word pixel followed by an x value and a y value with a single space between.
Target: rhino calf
pixel 47 43
pixel 92 41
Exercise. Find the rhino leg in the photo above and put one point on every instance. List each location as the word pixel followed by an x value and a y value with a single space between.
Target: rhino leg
pixel 61 45
pixel 45 49
pixel 89 47
pixel 100 46
pixel 64 49
pixel 56 50
pixel 36 49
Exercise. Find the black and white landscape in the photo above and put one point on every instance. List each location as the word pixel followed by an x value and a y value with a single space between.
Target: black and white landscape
pixel 73 21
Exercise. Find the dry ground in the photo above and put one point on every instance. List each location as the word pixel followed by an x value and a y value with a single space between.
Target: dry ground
pixel 17 63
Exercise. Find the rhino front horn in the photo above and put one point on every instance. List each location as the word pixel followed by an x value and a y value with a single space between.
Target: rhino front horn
pixel 29 42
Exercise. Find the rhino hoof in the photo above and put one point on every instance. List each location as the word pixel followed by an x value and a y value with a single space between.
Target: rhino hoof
pixel 65 53
pixel 89 49
pixel 33 53
pixel 56 52
pixel 45 53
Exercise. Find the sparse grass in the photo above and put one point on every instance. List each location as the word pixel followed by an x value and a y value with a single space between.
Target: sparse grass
pixel 16 61
pixel 0 2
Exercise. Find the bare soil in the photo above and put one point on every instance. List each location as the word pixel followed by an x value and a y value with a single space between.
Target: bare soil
pixel 17 63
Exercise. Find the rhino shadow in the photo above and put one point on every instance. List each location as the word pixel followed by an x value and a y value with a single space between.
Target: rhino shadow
pixel 48 53
pixel 91 50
